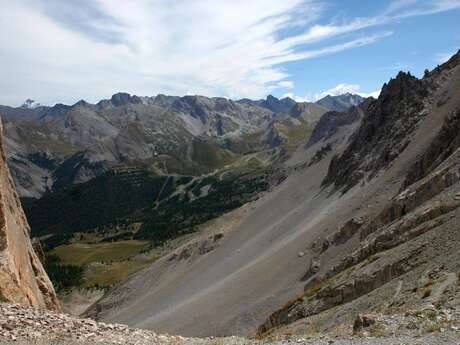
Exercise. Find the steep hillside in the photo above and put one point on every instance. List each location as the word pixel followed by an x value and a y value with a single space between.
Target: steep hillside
pixel 22 277
pixel 342 235
pixel 398 254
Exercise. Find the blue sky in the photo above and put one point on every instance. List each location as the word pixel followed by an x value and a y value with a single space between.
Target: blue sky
pixel 63 51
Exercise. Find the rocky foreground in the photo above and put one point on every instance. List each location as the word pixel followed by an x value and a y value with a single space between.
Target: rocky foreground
pixel 24 325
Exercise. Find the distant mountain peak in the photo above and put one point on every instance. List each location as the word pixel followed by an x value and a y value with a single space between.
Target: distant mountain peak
pixel 278 105
pixel 81 103
pixel 123 98
pixel 341 102
pixel 30 104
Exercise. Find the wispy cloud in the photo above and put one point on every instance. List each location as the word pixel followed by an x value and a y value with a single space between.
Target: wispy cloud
pixel 339 90
pixel 62 50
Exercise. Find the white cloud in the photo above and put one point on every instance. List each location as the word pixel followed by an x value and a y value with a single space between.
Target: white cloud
pixel 286 84
pixel 344 88
pixel 337 90
pixel 296 98
pixel 64 51
pixel 374 94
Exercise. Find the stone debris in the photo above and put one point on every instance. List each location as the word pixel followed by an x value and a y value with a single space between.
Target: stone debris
pixel 19 323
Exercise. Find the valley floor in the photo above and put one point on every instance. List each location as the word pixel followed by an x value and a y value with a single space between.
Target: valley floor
pixel 21 325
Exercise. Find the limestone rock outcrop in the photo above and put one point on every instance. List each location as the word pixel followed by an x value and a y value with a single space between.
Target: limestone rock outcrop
pixel 22 277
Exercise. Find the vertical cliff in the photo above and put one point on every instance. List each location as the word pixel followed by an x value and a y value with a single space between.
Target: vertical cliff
pixel 22 277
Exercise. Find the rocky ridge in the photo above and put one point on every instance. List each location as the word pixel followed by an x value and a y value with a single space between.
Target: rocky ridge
pixel 400 260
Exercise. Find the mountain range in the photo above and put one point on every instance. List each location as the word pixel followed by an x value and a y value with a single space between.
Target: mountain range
pixel 53 147
pixel 267 218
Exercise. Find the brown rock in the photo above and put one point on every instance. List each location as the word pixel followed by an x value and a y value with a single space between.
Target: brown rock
pixel 22 277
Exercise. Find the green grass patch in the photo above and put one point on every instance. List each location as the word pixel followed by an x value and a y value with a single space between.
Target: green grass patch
pixel 81 254
pixel 109 274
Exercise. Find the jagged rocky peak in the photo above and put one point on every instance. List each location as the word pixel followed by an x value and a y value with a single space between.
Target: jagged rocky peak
pixel 384 131
pixel 404 85
pixel 278 105
pixel 22 277
pixel 123 98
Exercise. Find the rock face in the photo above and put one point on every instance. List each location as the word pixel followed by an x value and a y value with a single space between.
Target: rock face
pixel 384 132
pixel 22 277
pixel 332 121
